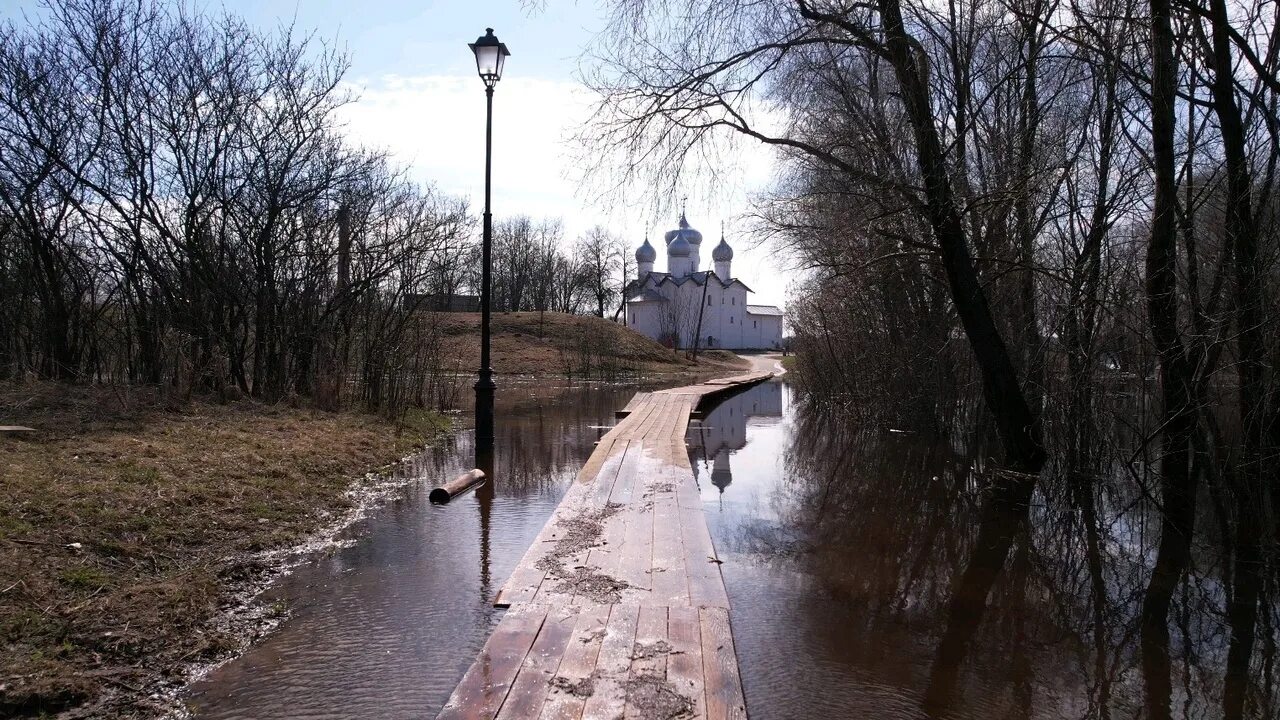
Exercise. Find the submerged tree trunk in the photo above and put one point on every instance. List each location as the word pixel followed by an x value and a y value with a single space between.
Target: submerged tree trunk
pixel 1241 234
pixel 1005 509
pixel 1177 484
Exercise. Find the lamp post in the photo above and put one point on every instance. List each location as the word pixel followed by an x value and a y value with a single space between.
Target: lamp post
pixel 491 55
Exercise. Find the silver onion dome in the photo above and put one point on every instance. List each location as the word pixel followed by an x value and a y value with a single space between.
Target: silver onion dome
pixel 645 253
pixel 679 247
pixel 722 252
pixel 691 236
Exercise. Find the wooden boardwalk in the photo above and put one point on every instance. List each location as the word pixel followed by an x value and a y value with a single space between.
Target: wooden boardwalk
pixel 618 609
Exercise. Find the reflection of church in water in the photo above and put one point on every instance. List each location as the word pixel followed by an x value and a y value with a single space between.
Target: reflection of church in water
pixel 724 430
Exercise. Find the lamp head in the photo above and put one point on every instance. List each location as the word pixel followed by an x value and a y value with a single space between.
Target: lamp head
pixel 491 55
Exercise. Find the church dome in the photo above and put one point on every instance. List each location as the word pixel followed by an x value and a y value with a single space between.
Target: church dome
pixel 645 253
pixel 722 252
pixel 691 236
pixel 679 247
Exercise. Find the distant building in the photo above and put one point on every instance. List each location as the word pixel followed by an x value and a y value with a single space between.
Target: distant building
pixel 441 302
pixel 685 303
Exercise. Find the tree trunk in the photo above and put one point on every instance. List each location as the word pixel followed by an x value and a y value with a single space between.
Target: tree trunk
pixel 1177 483
pixel 1018 425
pixel 1241 233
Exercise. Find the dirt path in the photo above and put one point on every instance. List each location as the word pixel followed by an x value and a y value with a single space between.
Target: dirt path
pixel 765 362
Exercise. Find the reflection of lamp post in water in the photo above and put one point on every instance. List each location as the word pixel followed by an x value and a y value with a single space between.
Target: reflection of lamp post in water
pixel 491 55
pixel 484 499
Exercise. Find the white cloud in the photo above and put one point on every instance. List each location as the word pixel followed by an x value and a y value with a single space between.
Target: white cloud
pixel 435 126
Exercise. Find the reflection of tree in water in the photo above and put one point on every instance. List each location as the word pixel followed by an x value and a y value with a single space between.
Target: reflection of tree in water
pixel 893 526
pixel 544 435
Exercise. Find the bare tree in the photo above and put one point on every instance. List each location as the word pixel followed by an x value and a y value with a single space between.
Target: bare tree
pixel 602 255
pixel 170 185
pixel 1048 148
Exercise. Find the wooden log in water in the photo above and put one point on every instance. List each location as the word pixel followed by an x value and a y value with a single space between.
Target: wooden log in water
pixel 455 487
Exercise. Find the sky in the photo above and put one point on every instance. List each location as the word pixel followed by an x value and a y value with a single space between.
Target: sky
pixel 419 98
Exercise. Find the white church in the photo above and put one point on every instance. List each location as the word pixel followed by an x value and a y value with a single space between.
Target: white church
pixel 685 304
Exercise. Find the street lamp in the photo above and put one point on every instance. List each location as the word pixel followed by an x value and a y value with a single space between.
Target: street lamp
pixel 491 55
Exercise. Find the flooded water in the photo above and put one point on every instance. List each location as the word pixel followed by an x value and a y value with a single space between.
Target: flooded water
pixel 386 627
pixel 847 559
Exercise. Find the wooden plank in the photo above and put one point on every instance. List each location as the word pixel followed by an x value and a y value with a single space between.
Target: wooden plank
pixel 644 409
pixel 574 679
pixel 657 409
pixel 637 548
pixel 684 664
pixel 484 687
pixel 533 683
pixel 678 407
pixel 607 554
pixel 596 460
pixel 706 585
pixel 668 574
pixel 676 438
pixel 608 696
pixel 552 588
pixel 609 475
pixel 720 666
pixel 527 577
pixel 613 443
pixel 621 490
pixel 648 657
pixel 635 402
pixel 594 498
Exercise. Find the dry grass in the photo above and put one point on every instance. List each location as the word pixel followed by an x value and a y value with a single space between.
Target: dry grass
pixel 532 343
pixel 123 522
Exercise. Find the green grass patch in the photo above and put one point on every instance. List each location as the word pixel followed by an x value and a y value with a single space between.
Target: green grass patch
pixel 424 425
pixel 83 578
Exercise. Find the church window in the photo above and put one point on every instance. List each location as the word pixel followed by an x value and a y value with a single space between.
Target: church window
pixel 708 301
pixel 755 323
pixel 733 301
pixel 730 319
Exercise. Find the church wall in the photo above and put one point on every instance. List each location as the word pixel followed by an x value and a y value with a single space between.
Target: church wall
pixel 645 318
pixel 724 316
pixel 766 331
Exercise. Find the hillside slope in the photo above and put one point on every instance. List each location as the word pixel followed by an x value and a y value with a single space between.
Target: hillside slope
pixel 533 343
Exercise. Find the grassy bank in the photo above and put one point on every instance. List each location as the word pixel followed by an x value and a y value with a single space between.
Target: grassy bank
pixel 123 522
pixel 556 344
